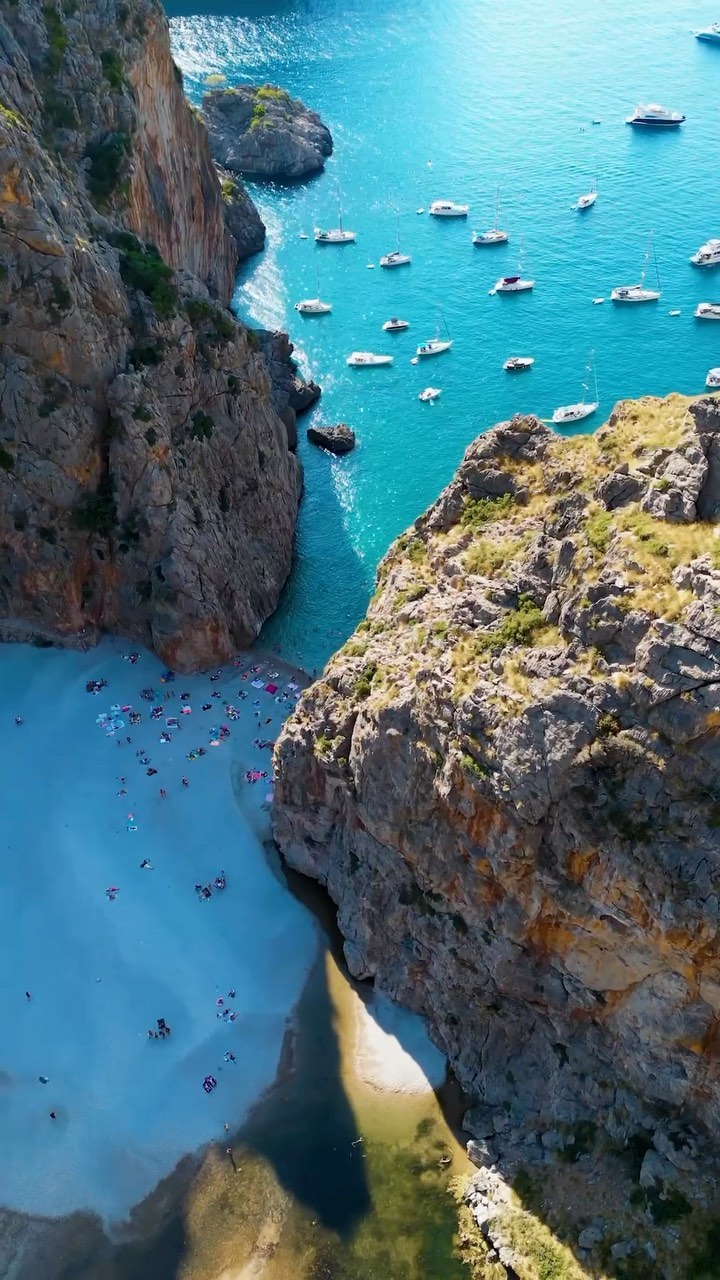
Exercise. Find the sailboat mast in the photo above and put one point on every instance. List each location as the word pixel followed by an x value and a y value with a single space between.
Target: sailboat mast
pixel 657 269
pixel 497 208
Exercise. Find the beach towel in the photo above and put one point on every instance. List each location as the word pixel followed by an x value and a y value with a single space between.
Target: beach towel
pixel 271 688
pixel 257 684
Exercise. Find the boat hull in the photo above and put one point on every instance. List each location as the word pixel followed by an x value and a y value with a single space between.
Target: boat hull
pixel 461 212
pixel 388 262
pixel 628 298
pixel 518 365
pixel 709 37
pixel 313 308
pixel 389 327
pixel 363 360
pixel 701 314
pixel 344 237
pixel 569 413
pixel 425 353
pixel 490 238
pixel 655 124
pixel 517 286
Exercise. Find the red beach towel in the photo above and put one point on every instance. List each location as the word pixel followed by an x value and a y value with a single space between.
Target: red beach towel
pixel 271 688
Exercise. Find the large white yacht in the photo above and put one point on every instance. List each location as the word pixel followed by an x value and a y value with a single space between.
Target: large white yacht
pixel 653 116
pixel 711 34
pixel 447 209
pixel 568 413
pixel 708 311
pixel 495 235
pixel 708 255
pixel 638 292
pixel 365 359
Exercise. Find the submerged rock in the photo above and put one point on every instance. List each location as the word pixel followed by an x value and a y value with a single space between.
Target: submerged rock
pixel 339 439
pixel 509 778
pixel 262 132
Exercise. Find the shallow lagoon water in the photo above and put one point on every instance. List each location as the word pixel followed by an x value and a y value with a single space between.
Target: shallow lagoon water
pixel 426 101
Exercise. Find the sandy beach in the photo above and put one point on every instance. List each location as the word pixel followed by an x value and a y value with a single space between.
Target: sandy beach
pixel 81 813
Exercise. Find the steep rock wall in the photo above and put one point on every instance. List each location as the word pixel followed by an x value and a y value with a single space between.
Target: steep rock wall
pixel 145 480
pixel 509 777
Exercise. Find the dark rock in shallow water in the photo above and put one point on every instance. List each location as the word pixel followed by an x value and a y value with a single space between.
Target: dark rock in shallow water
pixel 303 395
pixel 339 439
pixel 241 217
pixel 263 132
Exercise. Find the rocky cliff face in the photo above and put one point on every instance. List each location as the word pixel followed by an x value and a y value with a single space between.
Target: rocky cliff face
pixel 145 480
pixel 263 132
pixel 509 778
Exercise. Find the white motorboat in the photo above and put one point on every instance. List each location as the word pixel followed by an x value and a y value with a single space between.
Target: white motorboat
pixel 366 359
pixel 638 292
pixel 447 209
pixel 708 311
pixel 394 325
pixel 514 284
pixel 710 34
pixel 303 235
pixel 708 255
pixel 495 235
pixel 430 393
pixel 314 306
pixel 516 364
pixel 713 379
pixel 653 116
pixel 568 413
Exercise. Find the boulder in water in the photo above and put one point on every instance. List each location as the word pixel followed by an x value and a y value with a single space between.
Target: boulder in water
pixel 263 132
pixel 339 439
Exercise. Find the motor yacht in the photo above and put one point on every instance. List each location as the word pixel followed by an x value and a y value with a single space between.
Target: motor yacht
pixel 710 34
pixel 394 325
pixel 653 116
pixel 568 413
pixel 365 359
pixel 516 364
pixel 708 311
pixel 447 209
pixel 638 292
pixel 713 379
pixel 430 393
pixel 708 255
pixel 495 235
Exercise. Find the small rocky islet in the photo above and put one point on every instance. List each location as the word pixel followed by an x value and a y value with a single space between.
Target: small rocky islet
pixel 262 132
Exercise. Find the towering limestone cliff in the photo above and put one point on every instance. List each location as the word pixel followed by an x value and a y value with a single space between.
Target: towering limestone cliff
pixel 509 777
pixel 145 480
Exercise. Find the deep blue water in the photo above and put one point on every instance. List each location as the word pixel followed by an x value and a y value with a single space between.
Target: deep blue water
pixel 431 100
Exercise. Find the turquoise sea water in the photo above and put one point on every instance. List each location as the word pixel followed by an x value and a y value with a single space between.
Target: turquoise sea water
pixel 427 100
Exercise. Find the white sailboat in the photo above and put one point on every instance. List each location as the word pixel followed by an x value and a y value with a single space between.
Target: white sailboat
pixel 336 235
pixel 435 346
pixel 568 413
pixel 587 201
pixel 638 292
pixel 395 258
pixel 514 284
pixel 313 306
pixel 495 235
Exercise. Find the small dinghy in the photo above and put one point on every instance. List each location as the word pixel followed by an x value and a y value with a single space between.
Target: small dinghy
pixel 430 393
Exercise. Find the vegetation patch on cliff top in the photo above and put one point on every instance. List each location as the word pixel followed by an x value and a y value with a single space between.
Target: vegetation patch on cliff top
pixel 143 268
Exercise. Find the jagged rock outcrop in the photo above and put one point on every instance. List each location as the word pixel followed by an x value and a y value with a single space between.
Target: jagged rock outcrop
pixel 241 217
pixel 145 480
pixel 339 439
pixel 262 132
pixel 509 777
pixel 290 394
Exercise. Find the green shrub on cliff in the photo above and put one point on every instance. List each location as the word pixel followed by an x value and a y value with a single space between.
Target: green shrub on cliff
pixel 97 513
pixel 143 268
pixel 479 511
pixel 268 91
pixel 57 39
pixel 7 462
pixel 112 68
pixel 106 163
